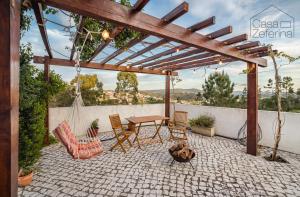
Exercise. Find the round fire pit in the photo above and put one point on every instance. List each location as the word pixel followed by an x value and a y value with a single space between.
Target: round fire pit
pixel 181 153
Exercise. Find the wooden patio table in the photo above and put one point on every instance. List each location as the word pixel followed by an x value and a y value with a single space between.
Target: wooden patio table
pixel 133 121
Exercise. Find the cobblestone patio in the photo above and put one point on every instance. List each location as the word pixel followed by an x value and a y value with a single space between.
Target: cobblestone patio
pixel 221 169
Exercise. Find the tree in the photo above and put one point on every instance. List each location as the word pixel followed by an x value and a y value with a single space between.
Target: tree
pixel 298 92
pixel 127 87
pixel 91 88
pixel 218 90
pixel 34 93
pixel 290 59
pixel 287 85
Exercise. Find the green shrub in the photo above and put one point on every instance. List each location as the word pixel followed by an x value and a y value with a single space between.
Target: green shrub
pixel 203 121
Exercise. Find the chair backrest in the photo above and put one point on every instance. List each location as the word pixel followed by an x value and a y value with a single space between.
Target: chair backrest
pixel 180 118
pixel 115 121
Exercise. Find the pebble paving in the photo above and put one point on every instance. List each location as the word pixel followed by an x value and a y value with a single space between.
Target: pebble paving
pixel 221 168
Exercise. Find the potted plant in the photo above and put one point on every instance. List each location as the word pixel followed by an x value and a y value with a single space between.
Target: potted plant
pixel 93 131
pixel 25 176
pixel 203 125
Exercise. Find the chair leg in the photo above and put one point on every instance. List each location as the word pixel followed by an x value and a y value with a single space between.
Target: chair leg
pixel 130 144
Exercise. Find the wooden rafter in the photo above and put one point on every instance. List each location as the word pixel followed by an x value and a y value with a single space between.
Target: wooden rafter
pixel 106 42
pixel 248 45
pixel 257 50
pixel 77 35
pixel 146 49
pixel 185 64
pixel 172 58
pixel 185 60
pixel 38 12
pixel 167 52
pixel 116 13
pixel 176 13
pixel 221 32
pixel 236 39
pixel 168 18
pixel 138 6
pixel 203 24
pixel 93 65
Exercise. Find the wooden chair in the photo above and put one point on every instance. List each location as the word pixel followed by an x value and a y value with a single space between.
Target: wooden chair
pixel 178 126
pixel 120 132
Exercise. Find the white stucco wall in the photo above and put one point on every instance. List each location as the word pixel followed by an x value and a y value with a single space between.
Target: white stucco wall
pixel 228 120
pixel 90 113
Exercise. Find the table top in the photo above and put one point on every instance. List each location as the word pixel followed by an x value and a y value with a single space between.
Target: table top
pixel 144 119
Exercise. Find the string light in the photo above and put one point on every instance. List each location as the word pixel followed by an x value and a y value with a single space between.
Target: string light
pixel 194 71
pixel 128 67
pixel 177 50
pixel 105 34
pixel 220 62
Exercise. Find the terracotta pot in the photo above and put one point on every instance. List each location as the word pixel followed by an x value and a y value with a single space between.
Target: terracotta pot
pixel 25 180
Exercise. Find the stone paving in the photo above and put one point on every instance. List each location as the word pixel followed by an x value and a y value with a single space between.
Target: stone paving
pixel 221 169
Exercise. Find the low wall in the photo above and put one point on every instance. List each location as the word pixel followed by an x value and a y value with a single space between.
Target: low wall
pixel 90 113
pixel 229 121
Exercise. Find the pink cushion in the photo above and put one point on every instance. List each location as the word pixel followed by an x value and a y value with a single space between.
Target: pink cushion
pixel 78 150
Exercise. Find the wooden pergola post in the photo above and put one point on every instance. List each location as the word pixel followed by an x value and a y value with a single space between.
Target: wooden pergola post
pixel 9 97
pixel 252 109
pixel 167 96
pixel 46 77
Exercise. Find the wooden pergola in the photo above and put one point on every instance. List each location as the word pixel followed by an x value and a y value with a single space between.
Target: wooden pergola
pixel 199 50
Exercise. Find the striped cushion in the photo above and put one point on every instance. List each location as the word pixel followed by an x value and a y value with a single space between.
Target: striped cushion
pixel 78 150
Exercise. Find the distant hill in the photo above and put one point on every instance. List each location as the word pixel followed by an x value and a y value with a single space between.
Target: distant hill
pixel 184 94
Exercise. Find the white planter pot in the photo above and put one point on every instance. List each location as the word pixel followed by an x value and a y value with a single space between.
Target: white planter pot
pixel 204 131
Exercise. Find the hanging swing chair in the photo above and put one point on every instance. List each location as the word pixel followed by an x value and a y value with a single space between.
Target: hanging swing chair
pixel 78 146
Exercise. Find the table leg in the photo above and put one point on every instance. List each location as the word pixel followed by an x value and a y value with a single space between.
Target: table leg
pixel 157 130
pixel 137 134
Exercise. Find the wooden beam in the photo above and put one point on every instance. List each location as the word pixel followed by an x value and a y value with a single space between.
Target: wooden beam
pixel 203 24
pixel 187 60
pixel 9 97
pixel 106 42
pixel 47 80
pixel 116 13
pixel 182 55
pixel 121 50
pixel 38 12
pixel 187 64
pixel 176 13
pixel 77 35
pixel 252 109
pixel 258 50
pixel 92 65
pixel 167 96
pixel 167 52
pixel 146 49
pixel 248 45
pixel 236 39
pixel 139 5
pixel 221 32
pixel 204 63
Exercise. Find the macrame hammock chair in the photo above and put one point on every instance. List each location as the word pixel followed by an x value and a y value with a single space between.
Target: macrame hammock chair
pixel 78 145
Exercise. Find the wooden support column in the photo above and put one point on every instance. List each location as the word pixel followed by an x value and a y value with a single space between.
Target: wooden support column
pixel 9 97
pixel 252 109
pixel 46 76
pixel 167 96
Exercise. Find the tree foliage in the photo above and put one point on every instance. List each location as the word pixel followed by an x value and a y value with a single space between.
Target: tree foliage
pixel 127 86
pixel 34 93
pixel 218 90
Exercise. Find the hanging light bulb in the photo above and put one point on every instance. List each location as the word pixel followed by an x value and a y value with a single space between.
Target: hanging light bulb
pixel 220 62
pixel 194 71
pixel 105 34
pixel 177 50
pixel 127 66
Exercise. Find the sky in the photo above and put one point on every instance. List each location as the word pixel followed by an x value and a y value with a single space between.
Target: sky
pixel 238 13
